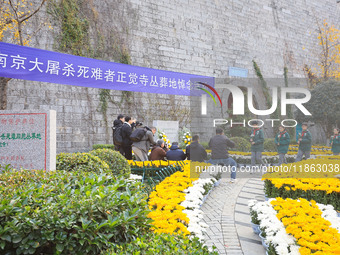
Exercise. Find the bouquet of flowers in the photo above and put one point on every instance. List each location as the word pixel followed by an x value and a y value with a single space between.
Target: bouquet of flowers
pixel 162 135
pixel 186 138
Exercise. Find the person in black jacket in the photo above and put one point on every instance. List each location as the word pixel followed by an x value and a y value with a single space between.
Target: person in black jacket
pixel 126 132
pixel 219 152
pixel 195 151
pixel 175 153
pixel 116 124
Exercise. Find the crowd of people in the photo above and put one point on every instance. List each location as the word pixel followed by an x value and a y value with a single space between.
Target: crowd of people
pixel 130 135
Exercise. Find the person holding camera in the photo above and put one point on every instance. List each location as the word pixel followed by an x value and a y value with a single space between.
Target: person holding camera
pixel 126 131
pixel 219 145
pixel 142 140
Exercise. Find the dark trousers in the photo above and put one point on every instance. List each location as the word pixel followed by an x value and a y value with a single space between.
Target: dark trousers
pixel 127 151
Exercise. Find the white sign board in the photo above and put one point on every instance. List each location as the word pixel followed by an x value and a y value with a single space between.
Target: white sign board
pixel 28 139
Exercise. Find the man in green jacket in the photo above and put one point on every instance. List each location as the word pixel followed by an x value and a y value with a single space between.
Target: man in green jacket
pixel 335 142
pixel 256 139
pixel 282 140
pixel 305 143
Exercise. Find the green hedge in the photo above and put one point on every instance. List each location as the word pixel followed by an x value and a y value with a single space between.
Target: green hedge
pixel 241 144
pixel 103 146
pixel 116 161
pixel 269 144
pixel 80 161
pixel 61 212
pixel 164 244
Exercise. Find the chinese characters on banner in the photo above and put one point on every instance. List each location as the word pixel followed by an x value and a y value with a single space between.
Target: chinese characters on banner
pixel 40 65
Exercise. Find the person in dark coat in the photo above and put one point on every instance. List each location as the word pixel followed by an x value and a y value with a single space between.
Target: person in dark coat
pixel 175 153
pixel 126 132
pixel 116 124
pixel 158 152
pixel 195 151
pixel 335 142
pixel 305 143
pixel 219 152
pixel 282 140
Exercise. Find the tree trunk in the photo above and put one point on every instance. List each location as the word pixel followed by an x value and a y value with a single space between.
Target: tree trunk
pixel 3 92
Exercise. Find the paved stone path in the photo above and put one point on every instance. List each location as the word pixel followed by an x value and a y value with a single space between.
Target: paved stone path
pixel 227 214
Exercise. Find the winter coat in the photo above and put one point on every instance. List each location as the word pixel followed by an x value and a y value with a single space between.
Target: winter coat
pixel 158 153
pixel 283 139
pixel 126 132
pixel 219 145
pixel 335 139
pixel 146 142
pixel 306 142
pixel 175 154
pixel 196 152
pixel 258 138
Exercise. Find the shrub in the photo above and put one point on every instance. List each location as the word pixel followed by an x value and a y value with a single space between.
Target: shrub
pixel 62 212
pixel 161 244
pixel 269 144
pixel 116 161
pixel 241 144
pixel 103 146
pixel 81 161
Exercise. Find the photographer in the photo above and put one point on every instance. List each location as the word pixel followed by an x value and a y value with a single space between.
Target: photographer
pixel 142 139
pixel 126 132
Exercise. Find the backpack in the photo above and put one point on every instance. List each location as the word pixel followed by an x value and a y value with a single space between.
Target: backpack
pixel 117 136
pixel 138 134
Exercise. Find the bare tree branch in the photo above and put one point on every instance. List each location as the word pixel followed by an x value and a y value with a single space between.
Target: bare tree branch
pixel 30 15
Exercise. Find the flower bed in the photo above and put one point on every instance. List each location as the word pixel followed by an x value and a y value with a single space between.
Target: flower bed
pixel 176 201
pixel 298 226
pixel 320 186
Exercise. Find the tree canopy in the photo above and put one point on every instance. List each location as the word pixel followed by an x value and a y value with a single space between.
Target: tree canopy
pixel 324 106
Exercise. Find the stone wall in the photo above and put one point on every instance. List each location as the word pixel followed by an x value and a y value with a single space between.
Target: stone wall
pixel 200 37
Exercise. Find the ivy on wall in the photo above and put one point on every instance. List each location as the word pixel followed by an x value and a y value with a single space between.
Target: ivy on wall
pixel 265 89
pixel 75 22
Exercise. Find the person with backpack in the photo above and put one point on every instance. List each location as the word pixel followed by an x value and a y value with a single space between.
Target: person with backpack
pixel 335 142
pixel 116 124
pixel 282 140
pixel 305 143
pixel 142 138
pixel 125 132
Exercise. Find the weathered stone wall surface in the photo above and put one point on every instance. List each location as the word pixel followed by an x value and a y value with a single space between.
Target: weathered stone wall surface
pixel 200 37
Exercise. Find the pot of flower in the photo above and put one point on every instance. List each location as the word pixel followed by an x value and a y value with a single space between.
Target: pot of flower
pixel 255 223
pixel 263 239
